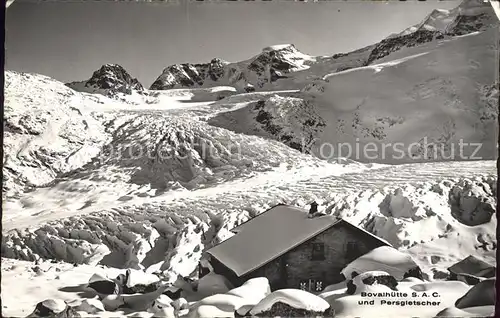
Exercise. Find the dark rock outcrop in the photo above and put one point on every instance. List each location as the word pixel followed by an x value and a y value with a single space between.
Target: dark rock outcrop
pixel 414 272
pixel 390 45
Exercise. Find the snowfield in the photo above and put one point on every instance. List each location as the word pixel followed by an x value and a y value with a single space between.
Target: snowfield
pixel 112 192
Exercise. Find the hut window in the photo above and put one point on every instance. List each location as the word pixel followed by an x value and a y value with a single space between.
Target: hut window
pixel 318 252
pixel 303 285
pixel 319 286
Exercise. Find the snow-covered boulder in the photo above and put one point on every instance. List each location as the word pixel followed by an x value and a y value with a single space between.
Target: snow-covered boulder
pixel 219 305
pixel 482 294
pixel 212 284
pixel 334 292
pixel 180 304
pixel 244 310
pixel 104 286
pixel 244 297
pixel 49 307
pixel 253 290
pixel 90 306
pixel 383 258
pixel 161 307
pixel 209 311
pixel 372 281
pixel 112 302
pixel 481 311
pixel 294 298
pixel 411 280
pixel 138 277
pixel 142 302
pixel 223 301
pixel 162 301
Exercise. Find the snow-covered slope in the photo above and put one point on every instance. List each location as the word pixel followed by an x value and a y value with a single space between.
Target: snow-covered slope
pixel 48 129
pixel 428 98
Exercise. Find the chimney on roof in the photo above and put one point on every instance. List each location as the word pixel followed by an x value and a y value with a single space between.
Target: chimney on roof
pixel 314 208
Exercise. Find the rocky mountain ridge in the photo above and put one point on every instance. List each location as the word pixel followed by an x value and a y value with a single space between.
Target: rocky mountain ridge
pixel 285 64
pixel 271 64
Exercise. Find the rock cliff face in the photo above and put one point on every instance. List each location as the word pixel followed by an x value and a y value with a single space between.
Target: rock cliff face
pixel 390 45
pixel 292 121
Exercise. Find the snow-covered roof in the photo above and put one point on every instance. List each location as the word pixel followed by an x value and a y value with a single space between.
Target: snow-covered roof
pixel 237 228
pixel 270 235
pixel 473 266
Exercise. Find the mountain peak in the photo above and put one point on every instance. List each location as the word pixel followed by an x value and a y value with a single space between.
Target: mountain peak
pixel 114 77
pixel 109 79
pixel 469 16
pixel 279 47
pixel 217 60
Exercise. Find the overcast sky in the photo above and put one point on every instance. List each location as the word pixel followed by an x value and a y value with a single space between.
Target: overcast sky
pixel 68 41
